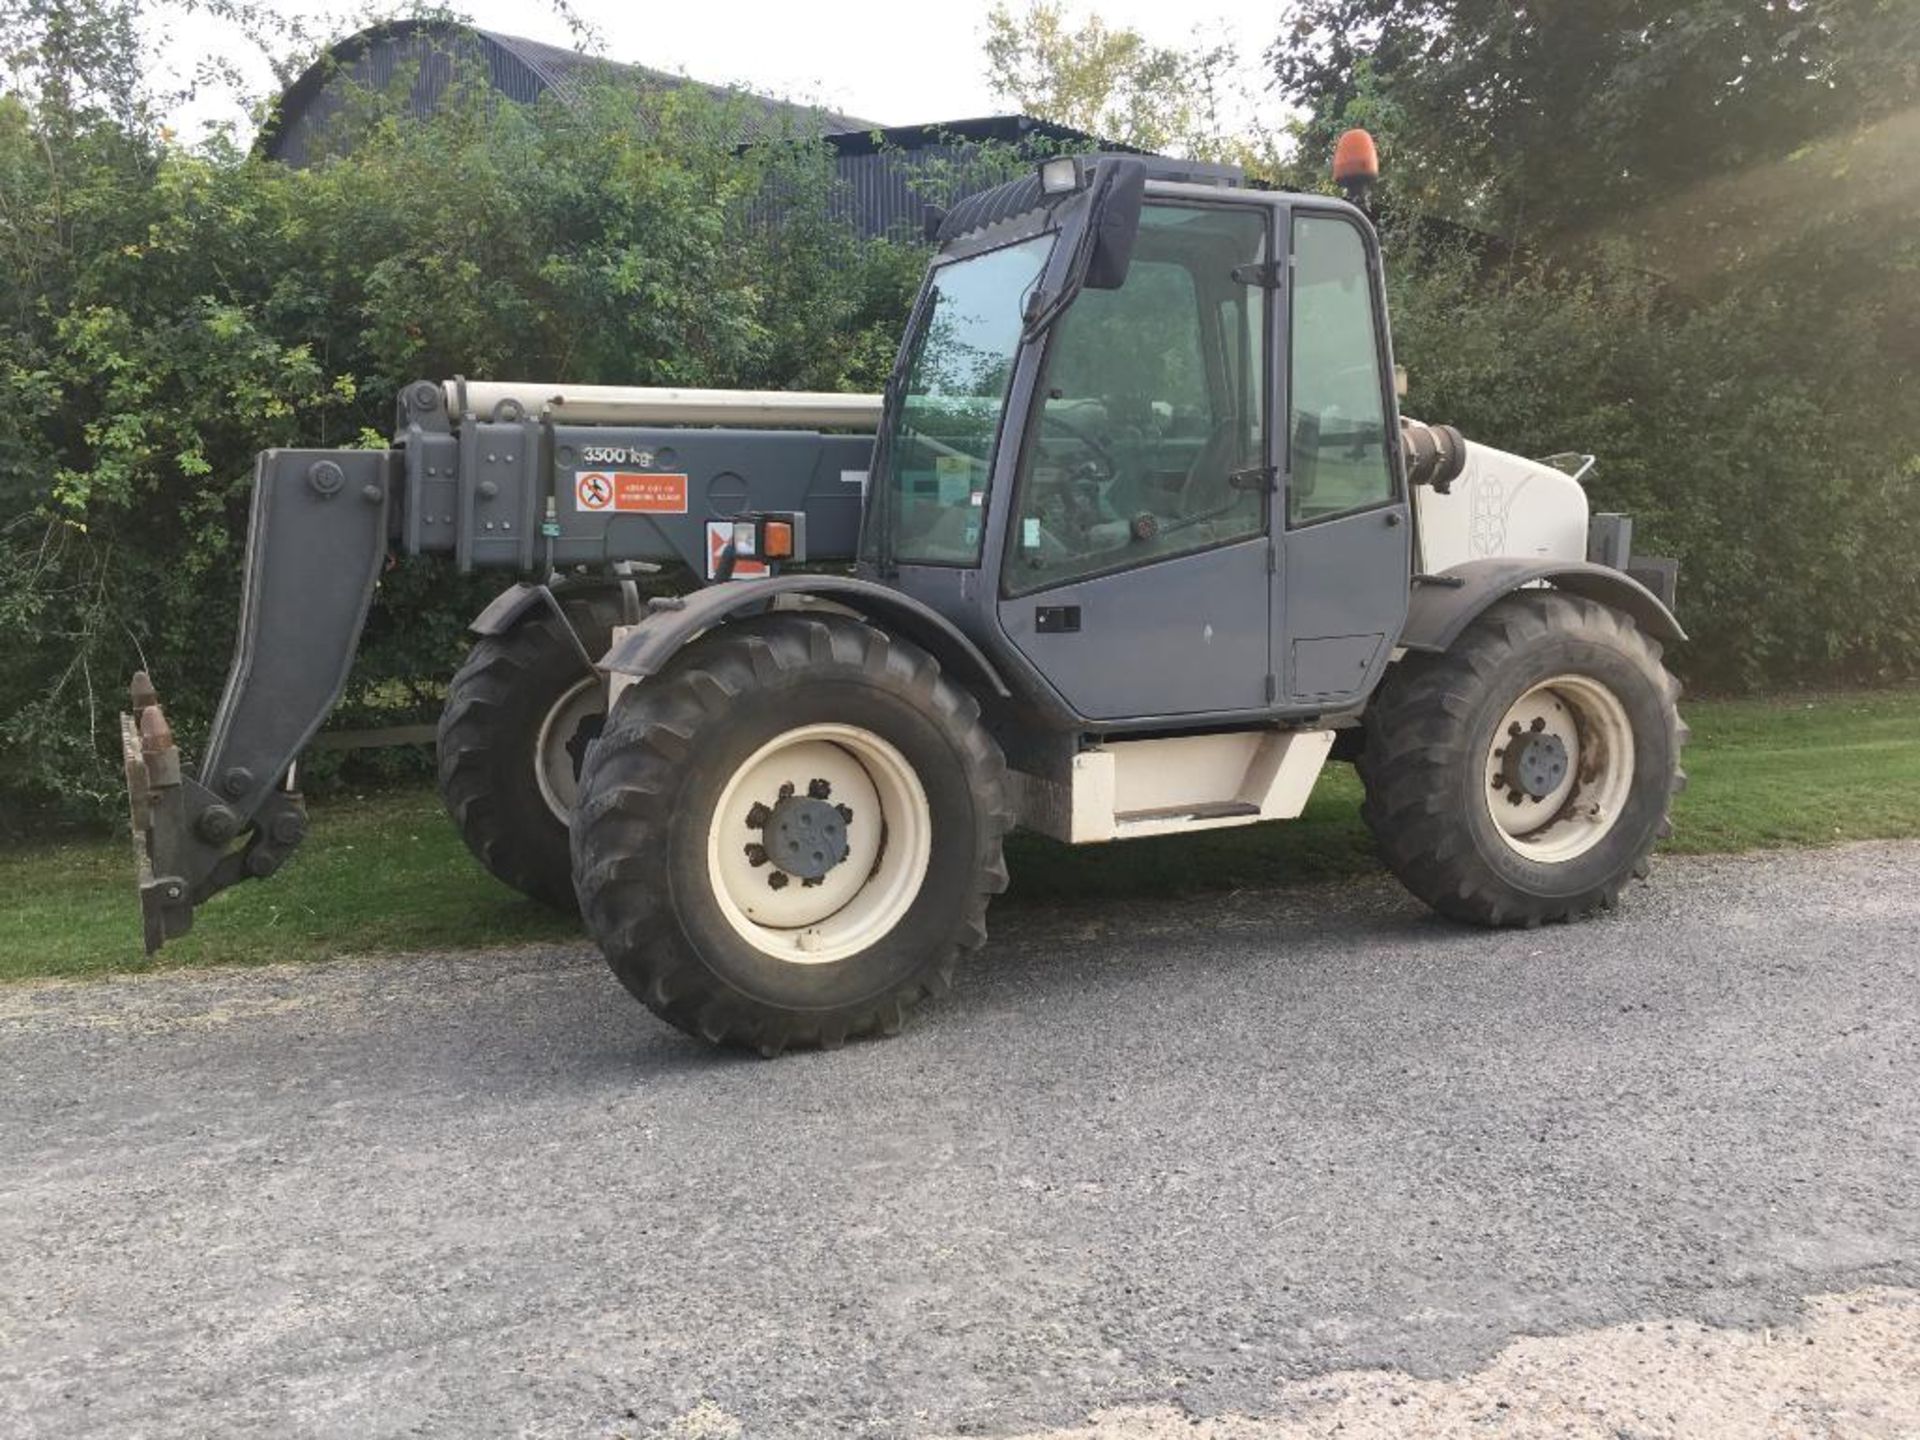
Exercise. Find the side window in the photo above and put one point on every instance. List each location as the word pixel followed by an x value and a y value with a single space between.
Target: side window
pixel 1338 424
pixel 1152 403
pixel 946 425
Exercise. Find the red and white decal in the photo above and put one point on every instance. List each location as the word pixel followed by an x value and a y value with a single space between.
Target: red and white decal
pixel 646 493
pixel 719 532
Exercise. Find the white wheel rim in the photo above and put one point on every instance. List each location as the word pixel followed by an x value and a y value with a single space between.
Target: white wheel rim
pixel 553 763
pixel 888 840
pixel 1582 808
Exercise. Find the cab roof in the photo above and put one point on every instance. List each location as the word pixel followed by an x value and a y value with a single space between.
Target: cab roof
pixel 1018 197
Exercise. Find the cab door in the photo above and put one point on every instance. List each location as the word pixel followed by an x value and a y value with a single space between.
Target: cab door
pixel 1137 567
pixel 1345 541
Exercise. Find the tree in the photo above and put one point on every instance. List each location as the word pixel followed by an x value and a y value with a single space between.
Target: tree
pixel 1114 83
pixel 1545 114
pixel 1706 278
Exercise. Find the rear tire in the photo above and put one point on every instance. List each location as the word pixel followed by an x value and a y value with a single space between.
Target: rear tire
pixel 756 734
pixel 1526 774
pixel 519 717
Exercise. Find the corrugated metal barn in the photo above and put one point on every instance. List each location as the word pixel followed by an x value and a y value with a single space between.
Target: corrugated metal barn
pixel 887 174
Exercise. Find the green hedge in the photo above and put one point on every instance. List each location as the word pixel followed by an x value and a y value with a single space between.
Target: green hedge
pixel 164 313
pixel 1758 432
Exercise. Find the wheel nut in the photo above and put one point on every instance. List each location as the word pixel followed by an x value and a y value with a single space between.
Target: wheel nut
pixel 756 853
pixel 818 789
pixel 777 880
pixel 758 816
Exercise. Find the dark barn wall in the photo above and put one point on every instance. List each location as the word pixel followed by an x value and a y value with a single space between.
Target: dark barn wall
pixel 306 123
pixel 888 175
pixel 517 69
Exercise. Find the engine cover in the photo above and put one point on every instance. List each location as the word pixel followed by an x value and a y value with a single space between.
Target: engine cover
pixel 1502 505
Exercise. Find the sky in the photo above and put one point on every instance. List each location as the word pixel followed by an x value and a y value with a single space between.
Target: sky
pixel 882 60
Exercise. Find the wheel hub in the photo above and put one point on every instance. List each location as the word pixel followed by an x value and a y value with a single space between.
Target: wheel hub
pixel 818 844
pixel 1535 764
pixel 806 836
pixel 1560 768
pixel 560 749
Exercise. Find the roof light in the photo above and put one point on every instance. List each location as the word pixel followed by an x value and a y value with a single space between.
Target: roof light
pixel 1356 164
pixel 1061 175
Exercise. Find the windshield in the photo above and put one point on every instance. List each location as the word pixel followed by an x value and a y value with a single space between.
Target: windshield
pixel 930 492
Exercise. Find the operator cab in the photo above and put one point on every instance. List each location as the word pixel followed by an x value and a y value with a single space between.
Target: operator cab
pixel 1162 424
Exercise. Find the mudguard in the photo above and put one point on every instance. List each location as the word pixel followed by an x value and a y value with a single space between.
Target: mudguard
pixel 1443 605
pixel 503 612
pixel 671 625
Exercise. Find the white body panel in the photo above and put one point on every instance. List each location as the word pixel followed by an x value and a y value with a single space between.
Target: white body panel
pixel 1128 788
pixel 1502 505
pixel 642 405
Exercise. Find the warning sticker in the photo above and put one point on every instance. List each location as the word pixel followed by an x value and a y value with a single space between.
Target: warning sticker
pixel 719 532
pixel 645 493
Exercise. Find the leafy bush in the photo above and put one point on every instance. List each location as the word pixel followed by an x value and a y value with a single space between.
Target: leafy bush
pixel 165 312
pixel 1765 450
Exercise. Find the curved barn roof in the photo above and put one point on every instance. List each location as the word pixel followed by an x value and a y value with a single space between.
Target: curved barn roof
pixel 520 69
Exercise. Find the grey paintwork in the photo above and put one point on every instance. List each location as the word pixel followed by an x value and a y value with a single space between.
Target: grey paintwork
pixel 1341 601
pixel 315 545
pixel 670 626
pixel 1440 611
pixel 1180 636
pixel 482 490
pixel 1204 638
pixel 1340 597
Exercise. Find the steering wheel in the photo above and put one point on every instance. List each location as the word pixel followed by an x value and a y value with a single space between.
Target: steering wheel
pixel 1081 494
pixel 1086 437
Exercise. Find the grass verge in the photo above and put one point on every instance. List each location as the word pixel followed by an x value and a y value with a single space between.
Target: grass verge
pixel 386 872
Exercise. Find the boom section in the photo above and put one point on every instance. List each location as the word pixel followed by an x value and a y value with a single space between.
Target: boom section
pixel 531 477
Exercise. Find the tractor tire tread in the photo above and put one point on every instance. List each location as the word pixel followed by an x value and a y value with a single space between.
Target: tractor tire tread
pixel 1416 739
pixel 629 778
pixel 476 746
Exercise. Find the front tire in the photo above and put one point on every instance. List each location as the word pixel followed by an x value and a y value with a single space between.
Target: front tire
pixel 1526 774
pixel 790 836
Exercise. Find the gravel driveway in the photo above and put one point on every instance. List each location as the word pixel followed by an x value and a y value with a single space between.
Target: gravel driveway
pixel 1172 1161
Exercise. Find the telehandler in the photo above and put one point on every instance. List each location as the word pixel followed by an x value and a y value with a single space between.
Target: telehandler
pixel 1139 537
